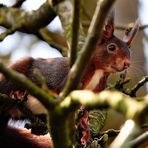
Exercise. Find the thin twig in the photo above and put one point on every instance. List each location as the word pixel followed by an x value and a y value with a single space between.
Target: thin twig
pixel 117 27
pixel 133 90
pixel 75 31
pixel 144 125
pixel 139 140
pixel 94 33
pixel 111 132
pixel 142 27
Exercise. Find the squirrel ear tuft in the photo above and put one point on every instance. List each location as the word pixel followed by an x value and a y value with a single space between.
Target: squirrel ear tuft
pixel 131 32
pixel 109 27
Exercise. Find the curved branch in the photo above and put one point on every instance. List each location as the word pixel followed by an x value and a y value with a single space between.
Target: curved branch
pixel 30 22
pixel 44 97
pixel 105 99
pixel 133 91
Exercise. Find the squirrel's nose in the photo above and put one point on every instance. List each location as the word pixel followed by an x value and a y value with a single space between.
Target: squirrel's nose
pixel 126 64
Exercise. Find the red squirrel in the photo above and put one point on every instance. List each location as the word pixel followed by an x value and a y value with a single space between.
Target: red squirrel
pixel 111 55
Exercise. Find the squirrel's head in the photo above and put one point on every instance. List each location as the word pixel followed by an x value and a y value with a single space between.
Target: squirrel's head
pixel 112 54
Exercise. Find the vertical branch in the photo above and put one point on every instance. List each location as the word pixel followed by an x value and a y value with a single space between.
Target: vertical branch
pixel 59 130
pixel 64 11
pixel 94 33
pixel 75 31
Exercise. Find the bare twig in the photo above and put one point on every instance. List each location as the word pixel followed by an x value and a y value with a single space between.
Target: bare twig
pixel 133 91
pixel 139 140
pixel 111 132
pixel 125 27
pixel 75 31
pixel 144 125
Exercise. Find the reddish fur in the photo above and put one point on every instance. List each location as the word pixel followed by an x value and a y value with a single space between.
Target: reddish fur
pixel 22 65
pixel 23 138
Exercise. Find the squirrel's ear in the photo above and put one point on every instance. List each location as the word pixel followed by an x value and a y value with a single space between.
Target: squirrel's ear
pixel 109 26
pixel 131 32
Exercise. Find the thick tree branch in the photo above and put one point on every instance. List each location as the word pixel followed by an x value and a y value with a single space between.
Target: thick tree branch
pixel 16 19
pixel 94 34
pixel 106 99
pixel 30 22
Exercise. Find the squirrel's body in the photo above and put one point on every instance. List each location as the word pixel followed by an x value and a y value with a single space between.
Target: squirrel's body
pixel 111 55
pixel 54 70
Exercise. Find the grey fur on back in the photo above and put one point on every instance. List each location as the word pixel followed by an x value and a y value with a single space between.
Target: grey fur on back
pixel 54 70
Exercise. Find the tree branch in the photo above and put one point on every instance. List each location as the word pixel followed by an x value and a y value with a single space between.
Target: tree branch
pixel 111 132
pixel 45 97
pixel 134 90
pixel 75 31
pixel 139 140
pixel 94 34
pixel 106 99
pixel 31 23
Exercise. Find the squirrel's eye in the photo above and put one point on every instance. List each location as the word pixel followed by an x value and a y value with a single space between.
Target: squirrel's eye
pixel 111 47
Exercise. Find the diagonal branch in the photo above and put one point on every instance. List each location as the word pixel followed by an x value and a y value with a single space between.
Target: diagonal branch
pixel 137 86
pixel 44 97
pixel 139 140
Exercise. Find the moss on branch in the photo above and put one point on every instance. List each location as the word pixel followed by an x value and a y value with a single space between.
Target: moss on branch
pixel 31 22
pixel 113 99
